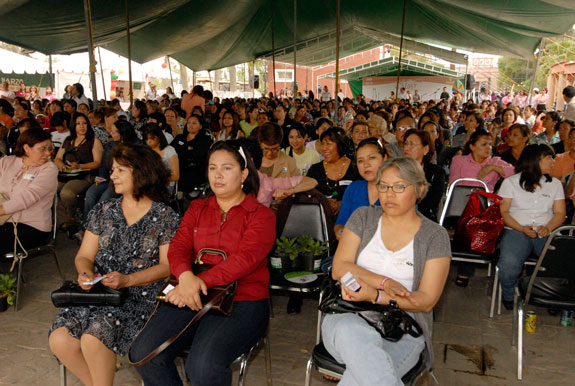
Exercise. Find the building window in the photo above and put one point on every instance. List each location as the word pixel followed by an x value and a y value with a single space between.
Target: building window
pixel 284 75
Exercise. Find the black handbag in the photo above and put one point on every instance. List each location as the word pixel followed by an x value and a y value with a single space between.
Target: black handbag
pixel 390 321
pixel 71 294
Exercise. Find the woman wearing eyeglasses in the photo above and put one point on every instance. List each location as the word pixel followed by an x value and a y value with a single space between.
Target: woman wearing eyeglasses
pixel 417 144
pixel 275 163
pixel 395 254
pixel 29 180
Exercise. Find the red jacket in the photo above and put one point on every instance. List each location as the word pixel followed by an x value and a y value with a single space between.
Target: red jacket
pixel 247 237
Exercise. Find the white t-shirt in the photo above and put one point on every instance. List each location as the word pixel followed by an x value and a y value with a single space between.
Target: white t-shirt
pixel 375 257
pixel 58 138
pixel 311 145
pixel 325 96
pixel 305 160
pixel 531 208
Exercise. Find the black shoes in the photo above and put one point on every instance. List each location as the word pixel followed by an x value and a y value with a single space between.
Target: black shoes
pixel 294 303
pixel 508 304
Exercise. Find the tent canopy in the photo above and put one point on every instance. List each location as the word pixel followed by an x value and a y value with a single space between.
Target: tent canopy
pixel 215 34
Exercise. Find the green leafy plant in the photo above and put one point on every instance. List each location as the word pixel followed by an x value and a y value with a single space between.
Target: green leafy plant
pixel 287 246
pixel 8 287
pixel 318 248
pixel 304 243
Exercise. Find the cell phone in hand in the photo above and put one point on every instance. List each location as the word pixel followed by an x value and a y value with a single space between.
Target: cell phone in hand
pixel 349 280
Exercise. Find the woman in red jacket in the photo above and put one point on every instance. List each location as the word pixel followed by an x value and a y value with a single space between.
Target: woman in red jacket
pixel 234 221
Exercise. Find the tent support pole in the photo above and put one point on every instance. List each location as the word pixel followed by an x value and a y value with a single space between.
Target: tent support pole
pixel 465 80
pixel 337 36
pixel 129 51
pixel 52 77
pixel 273 48
pixel 400 49
pixel 170 68
pixel 88 16
pixel 532 84
pixel 294 48
pixel 102 73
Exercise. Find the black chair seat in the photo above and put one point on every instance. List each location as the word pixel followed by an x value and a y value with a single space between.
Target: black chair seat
pixel 458 249
pixel 323 360
pixel 550 292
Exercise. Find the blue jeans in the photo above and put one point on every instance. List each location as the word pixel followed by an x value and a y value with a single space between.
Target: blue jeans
pixel 95 194
pixel 515 248
pixel 369 359
pixel 214 343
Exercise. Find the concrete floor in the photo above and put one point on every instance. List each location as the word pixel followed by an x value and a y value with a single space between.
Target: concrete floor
pixel 470 348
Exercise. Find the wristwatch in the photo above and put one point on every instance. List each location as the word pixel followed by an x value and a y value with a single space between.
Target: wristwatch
pixel 393 303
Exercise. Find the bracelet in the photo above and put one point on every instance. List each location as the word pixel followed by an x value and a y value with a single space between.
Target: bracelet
pixel 383 282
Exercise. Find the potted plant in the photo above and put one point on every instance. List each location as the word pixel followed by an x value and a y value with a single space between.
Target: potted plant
pixel 287 251
pixel 7 291
pixel 315 251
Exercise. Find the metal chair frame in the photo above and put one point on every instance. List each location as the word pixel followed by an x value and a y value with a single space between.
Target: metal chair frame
pixel 50 248
pixel 450 190
pixel 519 302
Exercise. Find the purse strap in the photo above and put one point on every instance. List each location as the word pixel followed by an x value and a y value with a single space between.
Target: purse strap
pixel 207 307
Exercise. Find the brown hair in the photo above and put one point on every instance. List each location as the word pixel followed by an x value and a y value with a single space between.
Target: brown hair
pixel 150 175
pixel 425 139
pixel 30 137
pixel 271 134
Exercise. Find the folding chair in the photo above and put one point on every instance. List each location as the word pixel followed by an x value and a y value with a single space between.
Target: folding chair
pixel 551 285
pixel 49 247
pixel 457 196
pixel 322 361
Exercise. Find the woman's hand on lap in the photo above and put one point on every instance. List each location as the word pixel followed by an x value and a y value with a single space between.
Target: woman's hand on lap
pixel 529 231
pixel 187 292
pixel 365 294
pixel 115 280
pixel 395 289
pixel 84 277
pixel 542 231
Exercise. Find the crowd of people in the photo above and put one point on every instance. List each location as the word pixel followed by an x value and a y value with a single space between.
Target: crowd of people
pixel 383 166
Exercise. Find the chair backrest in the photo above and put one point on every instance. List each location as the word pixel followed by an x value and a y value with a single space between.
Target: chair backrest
pixel 306 213
pixel 307 219
pixel 556 259
pixel 456 200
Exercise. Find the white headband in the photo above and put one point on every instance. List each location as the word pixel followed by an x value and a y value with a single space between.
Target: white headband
pixel 241 151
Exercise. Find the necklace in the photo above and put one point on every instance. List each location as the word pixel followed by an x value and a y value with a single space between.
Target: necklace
pixel 339 174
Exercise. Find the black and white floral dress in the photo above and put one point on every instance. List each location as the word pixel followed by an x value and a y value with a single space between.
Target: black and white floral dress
pixel 125 249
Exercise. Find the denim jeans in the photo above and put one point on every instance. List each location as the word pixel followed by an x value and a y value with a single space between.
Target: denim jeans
pixel 369 359
pixel 515 248
pixel 214 343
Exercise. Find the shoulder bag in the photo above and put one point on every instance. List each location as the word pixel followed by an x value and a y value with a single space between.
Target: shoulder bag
pixel 71 295
pixel 390 321
pixel 220 299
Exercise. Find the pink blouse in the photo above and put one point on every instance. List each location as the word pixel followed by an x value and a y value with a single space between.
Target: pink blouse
pixel 268 186
pixel 464 166
pixel 32 195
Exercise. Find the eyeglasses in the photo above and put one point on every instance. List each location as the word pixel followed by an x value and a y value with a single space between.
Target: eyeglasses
pixel 397 188
pixel 270 149
pixel 404 128
pixel 411 144
pixel 46 148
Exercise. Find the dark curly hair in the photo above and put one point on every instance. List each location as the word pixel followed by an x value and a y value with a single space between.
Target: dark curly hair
pixel 150 175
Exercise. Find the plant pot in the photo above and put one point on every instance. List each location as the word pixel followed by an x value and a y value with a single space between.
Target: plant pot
pixel 3 303
pixel 289 265
pixel 310 263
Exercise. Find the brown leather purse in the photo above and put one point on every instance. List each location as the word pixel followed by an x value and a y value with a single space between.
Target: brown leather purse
pixel 220 299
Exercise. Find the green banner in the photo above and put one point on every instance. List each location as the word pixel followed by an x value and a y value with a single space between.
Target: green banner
pixel 38 80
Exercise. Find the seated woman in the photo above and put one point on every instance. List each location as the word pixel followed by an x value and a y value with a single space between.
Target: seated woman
pixel 127 241
pixel 370 156
pixel 417 144
pixel 395 253
pixel 139 116
pixel 30 180
pixel 231 220
pixel 230 128
pixel 275 163
pixel 192 147
pixel 564 162
pixel 155 139
pixel 336 172
pixel 81 150
pixel 304 156
pixel 533 206
pixel 476 162
pixel 473 122
pixel 517 138
pixel 102 189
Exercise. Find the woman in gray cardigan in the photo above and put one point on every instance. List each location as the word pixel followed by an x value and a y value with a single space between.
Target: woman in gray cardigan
pixel 394 253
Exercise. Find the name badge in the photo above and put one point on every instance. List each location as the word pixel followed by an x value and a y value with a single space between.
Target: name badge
pixel 28 176
pixel 344 182
pixel 180 143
